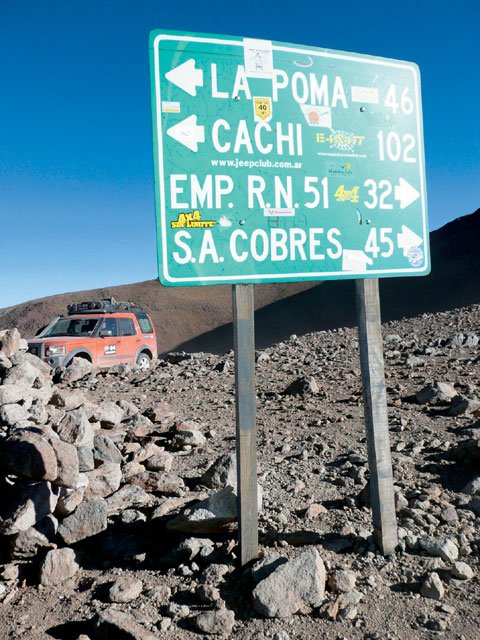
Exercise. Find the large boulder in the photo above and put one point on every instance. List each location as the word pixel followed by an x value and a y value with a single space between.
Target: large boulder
pixel 294 586
pixel 10 342
pixel 75 428
pixel 23 505
pixel 28 454
pixel 88 519
pixel 59 566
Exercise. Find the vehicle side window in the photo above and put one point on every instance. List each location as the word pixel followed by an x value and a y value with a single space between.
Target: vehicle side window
pixel 126 327
pixel 109 327
pixel 144 322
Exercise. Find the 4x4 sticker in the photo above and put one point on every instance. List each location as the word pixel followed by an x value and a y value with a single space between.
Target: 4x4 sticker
pixel 109 349
pixel 192 220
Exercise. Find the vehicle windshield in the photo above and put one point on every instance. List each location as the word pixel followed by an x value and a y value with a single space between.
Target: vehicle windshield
pixel 76 327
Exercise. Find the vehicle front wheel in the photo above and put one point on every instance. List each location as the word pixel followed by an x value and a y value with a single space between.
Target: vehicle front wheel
pixel 144 361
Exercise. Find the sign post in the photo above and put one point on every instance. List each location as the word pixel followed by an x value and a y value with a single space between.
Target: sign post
pixel 279 162
pixel 244 347
pixel 376 419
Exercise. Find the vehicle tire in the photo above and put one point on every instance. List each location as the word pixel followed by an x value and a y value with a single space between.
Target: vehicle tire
pixel 144 361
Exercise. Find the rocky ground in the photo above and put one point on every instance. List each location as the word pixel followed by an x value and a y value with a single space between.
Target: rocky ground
pixel 117 508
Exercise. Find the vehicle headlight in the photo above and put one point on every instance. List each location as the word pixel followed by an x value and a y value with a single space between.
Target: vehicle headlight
pixel 58 350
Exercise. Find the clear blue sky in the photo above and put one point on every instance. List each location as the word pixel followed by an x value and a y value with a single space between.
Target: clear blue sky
pixel 76 173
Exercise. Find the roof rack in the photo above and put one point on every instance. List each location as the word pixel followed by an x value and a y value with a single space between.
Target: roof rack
pixel 105 305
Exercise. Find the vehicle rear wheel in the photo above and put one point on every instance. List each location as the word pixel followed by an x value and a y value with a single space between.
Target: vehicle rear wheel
pixel 144 361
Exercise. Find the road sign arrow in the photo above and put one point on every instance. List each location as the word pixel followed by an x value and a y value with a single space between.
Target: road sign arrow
pixel 188 132
pixel 408 239
pixel 186 77
pixel 405 193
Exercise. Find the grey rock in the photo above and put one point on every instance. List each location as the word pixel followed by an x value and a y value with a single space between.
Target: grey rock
pixel 439 547
pixel 342 581
pixel 161 460
pixel 158 482
pixel 25 505
pixel 9 342
pixel 26 544
pixel 436 392
pixel 75 428
pixel 215 622
pixel 104 480
pixel 221 473
pixel 432 587
pixel 113 624
pixel 208 594
pixel 68 501
pixel 128 497
pixel 78 368
pixel 125 589
pixel 59 565
pixel 128 408
pixel 473 487
pixel 159 594
pixel 5 363
pixel 86 460
pixel 89 518
pixel 208 516
pixel 12 393
pixel 464 406
pixel 109 414
pixel 105 450
pixel 67 463
pixel 28 454
pixel 264 567
pixel 12 414
pixel 302 386
pixel 20 357
pixel 294 586
pixel 189 549
pixel 24 375
pixel 68 399
pixel 462 571
pixel 215 573
pixel 185 434
pixel 160 412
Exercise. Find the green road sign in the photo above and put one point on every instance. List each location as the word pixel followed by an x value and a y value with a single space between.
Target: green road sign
pixel 281 162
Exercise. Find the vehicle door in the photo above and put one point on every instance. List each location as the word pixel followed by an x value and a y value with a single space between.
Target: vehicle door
pixel 129 340
pixel 108 343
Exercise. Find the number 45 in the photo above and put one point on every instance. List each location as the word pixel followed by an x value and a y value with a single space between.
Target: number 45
pixel 371 246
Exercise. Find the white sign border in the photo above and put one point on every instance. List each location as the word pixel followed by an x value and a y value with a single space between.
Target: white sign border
pixel 311 275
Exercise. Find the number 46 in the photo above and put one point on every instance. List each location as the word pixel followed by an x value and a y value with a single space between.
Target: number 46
pixel 406 103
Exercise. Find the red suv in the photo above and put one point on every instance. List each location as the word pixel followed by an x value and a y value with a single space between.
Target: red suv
pixel 106 333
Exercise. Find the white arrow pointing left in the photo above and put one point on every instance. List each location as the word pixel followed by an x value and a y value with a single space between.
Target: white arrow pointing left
pixel 405 193
pixel 186 77
pixel 188 132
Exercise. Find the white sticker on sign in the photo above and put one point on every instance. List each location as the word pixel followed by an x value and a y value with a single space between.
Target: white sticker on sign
pixel 170 107
pixel 354 260
pixel 317 116
pixel 369 95
pixel 258 58
pixel 278 212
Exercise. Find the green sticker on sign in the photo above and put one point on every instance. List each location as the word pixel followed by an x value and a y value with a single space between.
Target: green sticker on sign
pixel 278 162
